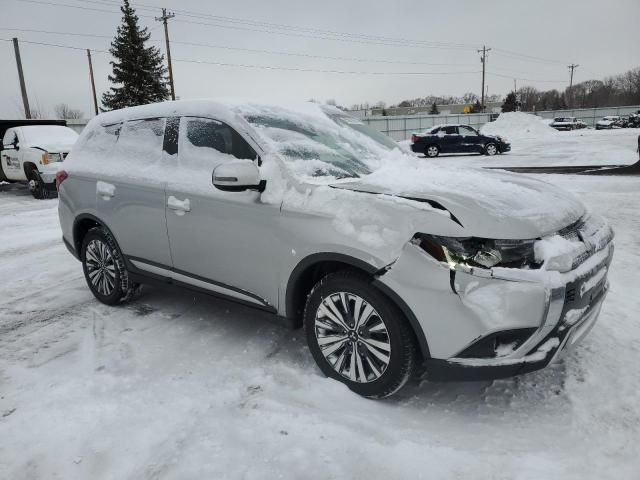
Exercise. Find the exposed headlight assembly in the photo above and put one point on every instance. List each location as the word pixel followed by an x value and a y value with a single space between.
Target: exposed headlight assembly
pixel 478 252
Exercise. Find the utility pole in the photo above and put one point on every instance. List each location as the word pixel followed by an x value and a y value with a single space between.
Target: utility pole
pixel 93 83
pixel 483 59
pixel 572 67
pixel 166 16
pixel 23 87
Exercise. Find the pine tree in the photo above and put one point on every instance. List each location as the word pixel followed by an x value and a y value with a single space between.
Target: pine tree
pixel 434 109
pixel 510 103
pixel 139 74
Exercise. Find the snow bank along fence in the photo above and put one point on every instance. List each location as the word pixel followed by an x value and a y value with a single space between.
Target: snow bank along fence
pixel 401 127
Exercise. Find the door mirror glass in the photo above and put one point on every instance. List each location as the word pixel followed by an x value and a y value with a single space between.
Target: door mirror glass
pixel 238 176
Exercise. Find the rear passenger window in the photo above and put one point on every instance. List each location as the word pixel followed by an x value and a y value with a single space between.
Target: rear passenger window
pixel 101 139
pixel 140 141
pixel 449 130
pixel 211 134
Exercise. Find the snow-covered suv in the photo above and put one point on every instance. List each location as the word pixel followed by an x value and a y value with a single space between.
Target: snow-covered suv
pixel 31 153
pixel 304 212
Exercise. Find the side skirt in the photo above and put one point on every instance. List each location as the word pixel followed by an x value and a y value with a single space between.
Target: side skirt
pixel 142 271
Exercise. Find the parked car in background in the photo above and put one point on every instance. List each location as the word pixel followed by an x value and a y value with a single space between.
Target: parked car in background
pixel 457 139
pixel 567 123
pixel 31 154
pixel 308 214
pixel 609 122
pixel 634 120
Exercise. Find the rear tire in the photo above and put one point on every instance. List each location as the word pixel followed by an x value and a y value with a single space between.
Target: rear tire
pixel 104 268
pixel 358 336
pixel 432 151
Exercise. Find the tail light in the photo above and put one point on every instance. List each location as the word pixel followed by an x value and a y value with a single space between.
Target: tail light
pixel 414 138
pixel 61 176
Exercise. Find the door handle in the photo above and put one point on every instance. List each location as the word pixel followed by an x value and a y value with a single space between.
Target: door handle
pixel 179 206
pixel 105 190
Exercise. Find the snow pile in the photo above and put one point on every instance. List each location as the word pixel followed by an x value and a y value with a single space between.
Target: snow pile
pixel 519 125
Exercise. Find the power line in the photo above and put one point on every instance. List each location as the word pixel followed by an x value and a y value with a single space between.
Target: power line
pixel 266 67
pixel 250 50
pixel 295 31
pixel 293 69
pixel 524 79
pixel 279 26
pixel 56 45
pixel 320 36
pixel 526 57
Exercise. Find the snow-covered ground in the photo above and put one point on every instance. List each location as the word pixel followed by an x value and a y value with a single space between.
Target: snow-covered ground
pixel 180 385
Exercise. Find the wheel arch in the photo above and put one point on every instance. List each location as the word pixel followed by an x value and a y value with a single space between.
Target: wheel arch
pixel 81 226
pixel 28 167
pixel 313 267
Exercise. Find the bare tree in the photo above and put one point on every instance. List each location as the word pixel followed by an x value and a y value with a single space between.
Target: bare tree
pixel 65 112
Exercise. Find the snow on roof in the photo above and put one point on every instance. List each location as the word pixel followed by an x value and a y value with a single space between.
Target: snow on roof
pixel 222 108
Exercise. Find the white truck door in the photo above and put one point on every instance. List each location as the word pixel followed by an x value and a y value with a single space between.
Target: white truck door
pixel 12 153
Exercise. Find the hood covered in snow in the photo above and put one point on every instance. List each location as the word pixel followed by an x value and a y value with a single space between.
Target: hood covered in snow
pixel 52 147
pixel 486 203
pixel 52 138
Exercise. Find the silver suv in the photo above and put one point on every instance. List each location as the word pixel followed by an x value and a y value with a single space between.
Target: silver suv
pixel 303 211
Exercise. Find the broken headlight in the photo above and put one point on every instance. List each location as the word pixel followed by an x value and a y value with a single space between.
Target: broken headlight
pixel 479 252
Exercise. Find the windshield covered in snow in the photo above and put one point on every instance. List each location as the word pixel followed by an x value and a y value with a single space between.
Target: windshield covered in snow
pixel 319 142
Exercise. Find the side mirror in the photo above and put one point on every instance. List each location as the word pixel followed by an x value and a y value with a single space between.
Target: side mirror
pixel 238 176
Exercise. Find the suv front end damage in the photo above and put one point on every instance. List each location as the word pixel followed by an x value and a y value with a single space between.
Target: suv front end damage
pixel 506 307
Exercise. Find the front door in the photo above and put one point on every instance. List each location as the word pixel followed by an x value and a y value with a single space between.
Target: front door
pixel 11 155
pixel 222 242
pixel 469 140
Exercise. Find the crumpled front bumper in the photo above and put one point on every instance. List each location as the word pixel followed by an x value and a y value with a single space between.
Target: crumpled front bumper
pixel 566 334
pixel 459 309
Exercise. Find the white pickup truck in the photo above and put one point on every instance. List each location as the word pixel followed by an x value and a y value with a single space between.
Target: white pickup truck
pixel 30 154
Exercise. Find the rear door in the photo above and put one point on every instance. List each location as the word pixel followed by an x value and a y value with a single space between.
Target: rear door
pixel 130 190
pixel 223 242
pixel 449 139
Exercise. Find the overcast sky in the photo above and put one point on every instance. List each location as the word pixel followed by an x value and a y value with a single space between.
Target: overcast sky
pixel 533 40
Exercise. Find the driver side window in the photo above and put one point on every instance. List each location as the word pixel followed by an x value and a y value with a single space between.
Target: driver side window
pixel 211 138
pixel 467 131
pixel 10 138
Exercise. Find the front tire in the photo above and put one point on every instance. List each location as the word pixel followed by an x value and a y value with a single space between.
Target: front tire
pixel 36 185
pixel 490 149
pixel 432 151
pixel 104 268
pixel 358 336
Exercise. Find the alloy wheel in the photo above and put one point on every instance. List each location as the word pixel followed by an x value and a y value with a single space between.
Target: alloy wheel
pixel 101 267
pixel 432 151
pixel 353 337
pixel 491 149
